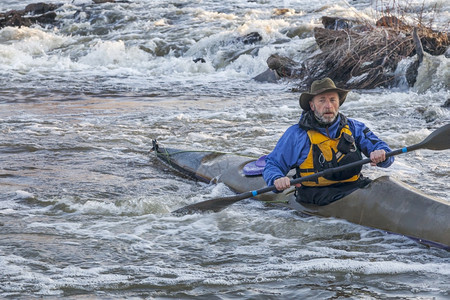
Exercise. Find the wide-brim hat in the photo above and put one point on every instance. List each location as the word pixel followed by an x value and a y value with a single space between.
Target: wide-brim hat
pixel 319 87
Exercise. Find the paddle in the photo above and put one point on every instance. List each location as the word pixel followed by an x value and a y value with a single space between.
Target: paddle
pixel 437 140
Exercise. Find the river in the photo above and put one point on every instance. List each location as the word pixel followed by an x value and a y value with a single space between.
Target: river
pixel 85 206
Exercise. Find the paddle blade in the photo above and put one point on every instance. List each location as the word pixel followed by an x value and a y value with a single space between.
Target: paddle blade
pixel 438 139
pixel 213 205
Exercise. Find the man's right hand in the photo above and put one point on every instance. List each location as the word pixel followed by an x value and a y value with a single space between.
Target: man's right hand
pixel 283 183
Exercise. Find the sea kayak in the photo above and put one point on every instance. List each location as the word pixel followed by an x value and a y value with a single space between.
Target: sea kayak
pixel 386 204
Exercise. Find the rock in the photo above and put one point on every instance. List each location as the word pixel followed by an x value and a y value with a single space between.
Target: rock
pixel 199 59
pixel 251 38
pixel 412 72
pixel 39 8
pixel 429 114
pixel 336 23
pixel 446 104
pixel 41 13
pixel 282 11
pixel 283 66
pixel 267 76
pixel 14 18
pixel 300 31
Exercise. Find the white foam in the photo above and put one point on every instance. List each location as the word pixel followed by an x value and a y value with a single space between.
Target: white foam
pixel 433 73
pixel 112 54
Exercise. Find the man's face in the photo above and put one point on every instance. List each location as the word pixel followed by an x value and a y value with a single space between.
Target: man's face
pixel 325 107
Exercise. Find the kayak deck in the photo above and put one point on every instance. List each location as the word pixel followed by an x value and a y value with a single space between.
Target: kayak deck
pixel 386 203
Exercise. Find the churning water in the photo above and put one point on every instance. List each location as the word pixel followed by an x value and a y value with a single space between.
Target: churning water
pixel 84 206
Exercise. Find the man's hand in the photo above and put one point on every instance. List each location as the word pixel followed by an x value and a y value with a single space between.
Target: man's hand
pixel 283 183
pixel 377 156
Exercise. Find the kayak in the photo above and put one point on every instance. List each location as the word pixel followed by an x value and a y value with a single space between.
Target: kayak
pixel 386 203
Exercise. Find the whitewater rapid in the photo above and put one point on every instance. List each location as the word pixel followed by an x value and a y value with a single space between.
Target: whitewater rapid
pixel 85 207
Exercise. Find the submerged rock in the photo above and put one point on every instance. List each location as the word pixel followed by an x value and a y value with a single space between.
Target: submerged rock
pixel 251 38
pixel 446 104
pixel 199 59
pixel 429 114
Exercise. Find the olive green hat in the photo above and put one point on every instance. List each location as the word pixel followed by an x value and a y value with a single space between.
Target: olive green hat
pixel 319 87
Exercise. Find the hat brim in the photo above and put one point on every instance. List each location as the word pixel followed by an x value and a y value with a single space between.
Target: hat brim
pixel 306 97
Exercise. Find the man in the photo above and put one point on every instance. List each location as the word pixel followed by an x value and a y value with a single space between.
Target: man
pixel 324 138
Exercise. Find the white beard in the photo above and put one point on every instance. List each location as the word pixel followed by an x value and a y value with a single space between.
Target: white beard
pixel 322 120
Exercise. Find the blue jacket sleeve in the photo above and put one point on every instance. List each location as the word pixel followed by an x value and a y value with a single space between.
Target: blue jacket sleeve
pixel 291 149
pixel 367 141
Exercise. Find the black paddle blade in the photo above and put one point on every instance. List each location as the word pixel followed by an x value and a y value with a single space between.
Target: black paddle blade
pixel 213 205
pixel 438 139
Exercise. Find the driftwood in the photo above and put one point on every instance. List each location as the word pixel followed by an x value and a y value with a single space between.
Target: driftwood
pixel 356 55
pixel 360 60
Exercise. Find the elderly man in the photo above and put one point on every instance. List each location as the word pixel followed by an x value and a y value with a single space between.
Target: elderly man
pixel 324 138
